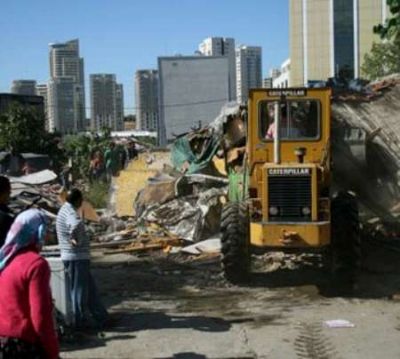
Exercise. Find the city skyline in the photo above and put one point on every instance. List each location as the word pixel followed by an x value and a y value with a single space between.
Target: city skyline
pixel 133 42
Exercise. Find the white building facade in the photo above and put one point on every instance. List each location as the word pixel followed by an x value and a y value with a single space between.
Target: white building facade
pixel 192 91
pixel 282 77
pixel 248 70
pixel 222 46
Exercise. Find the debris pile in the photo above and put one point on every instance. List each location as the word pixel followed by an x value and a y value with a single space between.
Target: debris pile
pixel 366 145
pixel 187 198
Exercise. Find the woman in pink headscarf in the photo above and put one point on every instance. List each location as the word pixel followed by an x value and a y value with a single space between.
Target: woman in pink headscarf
pixel 26 321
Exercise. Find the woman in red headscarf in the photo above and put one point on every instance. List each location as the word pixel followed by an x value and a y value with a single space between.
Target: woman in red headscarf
pixel 26 319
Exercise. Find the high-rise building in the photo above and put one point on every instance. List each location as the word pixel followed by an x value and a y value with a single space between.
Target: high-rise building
pixel 106 97
pixel 267 82
pixel 282 76
pixel 119 104
pixel 331 37
pixel 42 90
pixel 248 70
pixel 146 99
pixel 220 46
pixel 192 91
pixel 63 105
pixel 24 87
pixel 65 62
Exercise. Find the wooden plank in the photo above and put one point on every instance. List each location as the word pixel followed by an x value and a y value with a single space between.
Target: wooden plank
pixel 149 247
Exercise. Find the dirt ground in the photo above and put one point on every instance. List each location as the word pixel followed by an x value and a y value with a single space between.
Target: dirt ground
pixel 176 307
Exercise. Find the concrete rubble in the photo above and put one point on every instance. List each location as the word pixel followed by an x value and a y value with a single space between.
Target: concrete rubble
pixel 366 146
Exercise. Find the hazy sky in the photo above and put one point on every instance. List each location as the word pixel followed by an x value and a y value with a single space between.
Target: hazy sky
pixel 121 36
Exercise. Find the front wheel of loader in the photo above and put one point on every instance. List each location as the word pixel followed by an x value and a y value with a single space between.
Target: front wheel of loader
pixel 235 241
pixel 346 245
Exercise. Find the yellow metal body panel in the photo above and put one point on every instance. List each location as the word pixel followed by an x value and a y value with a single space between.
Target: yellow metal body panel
pixel 290 235
pixel 261 151
pixel 317 159
pixel 314 186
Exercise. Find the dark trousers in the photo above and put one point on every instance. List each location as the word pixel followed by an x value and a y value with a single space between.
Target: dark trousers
pixel 85 301
pixel 15 348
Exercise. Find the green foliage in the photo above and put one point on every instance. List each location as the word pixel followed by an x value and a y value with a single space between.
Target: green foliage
pixel 147 141
pixel 98 194
pixel 391 28
pixel 22 128
pixel 80 149
pixel 383 60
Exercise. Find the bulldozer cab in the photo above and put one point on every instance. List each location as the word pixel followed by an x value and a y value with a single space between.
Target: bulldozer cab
pixel 303 117
pixel 299 120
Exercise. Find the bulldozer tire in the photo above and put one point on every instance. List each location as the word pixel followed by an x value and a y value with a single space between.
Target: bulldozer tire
pixel 235 242
pixel 346 245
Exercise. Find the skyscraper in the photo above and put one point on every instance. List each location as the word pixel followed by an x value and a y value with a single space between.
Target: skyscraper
pixel 42 90
pixel 119 104
pixel 63 116
pixel 23 87
pixel 331 37
pixel 65 63
pixel 220 46
pixel 248 70
pixel 106 98
pixel 146 99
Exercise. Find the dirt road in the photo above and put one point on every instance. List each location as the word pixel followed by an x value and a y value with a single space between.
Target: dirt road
pixel 169 307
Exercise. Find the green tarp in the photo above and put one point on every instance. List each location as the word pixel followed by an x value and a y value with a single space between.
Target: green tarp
pixel 182 152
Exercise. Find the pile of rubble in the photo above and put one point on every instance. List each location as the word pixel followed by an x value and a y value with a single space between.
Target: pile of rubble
pixel 366 151
pixel 187 198
pixel 42 190
pixel 177 202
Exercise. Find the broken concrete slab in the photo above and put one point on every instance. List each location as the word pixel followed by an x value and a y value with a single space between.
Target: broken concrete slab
pixel 37 178
pixel 211 245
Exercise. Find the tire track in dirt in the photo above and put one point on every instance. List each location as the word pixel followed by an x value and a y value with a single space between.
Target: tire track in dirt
pixel 311 343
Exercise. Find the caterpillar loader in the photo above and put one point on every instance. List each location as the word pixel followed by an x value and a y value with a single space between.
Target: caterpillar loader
pixel 280 198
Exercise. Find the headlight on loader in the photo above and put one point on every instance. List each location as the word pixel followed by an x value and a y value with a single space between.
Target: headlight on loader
pixel 273 211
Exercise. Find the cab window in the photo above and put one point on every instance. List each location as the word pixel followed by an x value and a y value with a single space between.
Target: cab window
pixel 299 120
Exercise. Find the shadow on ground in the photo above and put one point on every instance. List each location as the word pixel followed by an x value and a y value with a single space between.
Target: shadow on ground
pixel 126 323
pixel 192 355
pixel 164 277
pixel 378 277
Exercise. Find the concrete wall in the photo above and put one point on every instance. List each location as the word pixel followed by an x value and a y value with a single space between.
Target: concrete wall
pixel 192 91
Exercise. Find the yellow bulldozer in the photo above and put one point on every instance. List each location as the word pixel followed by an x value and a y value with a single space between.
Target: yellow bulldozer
pixel 281 197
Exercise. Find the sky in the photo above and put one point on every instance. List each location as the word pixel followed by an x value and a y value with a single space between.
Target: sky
pixel 122 36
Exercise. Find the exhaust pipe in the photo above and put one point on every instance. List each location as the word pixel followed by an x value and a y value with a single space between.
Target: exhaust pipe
pixel 277 137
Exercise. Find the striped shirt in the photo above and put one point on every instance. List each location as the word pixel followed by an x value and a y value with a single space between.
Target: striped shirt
pixel 70 226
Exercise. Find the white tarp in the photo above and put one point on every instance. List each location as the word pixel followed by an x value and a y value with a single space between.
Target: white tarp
pixel 36 178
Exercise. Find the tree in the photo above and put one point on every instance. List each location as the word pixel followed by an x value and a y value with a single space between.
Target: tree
pixel 21 128
pixel 391 28
pixel 80 148
pixel 383 60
